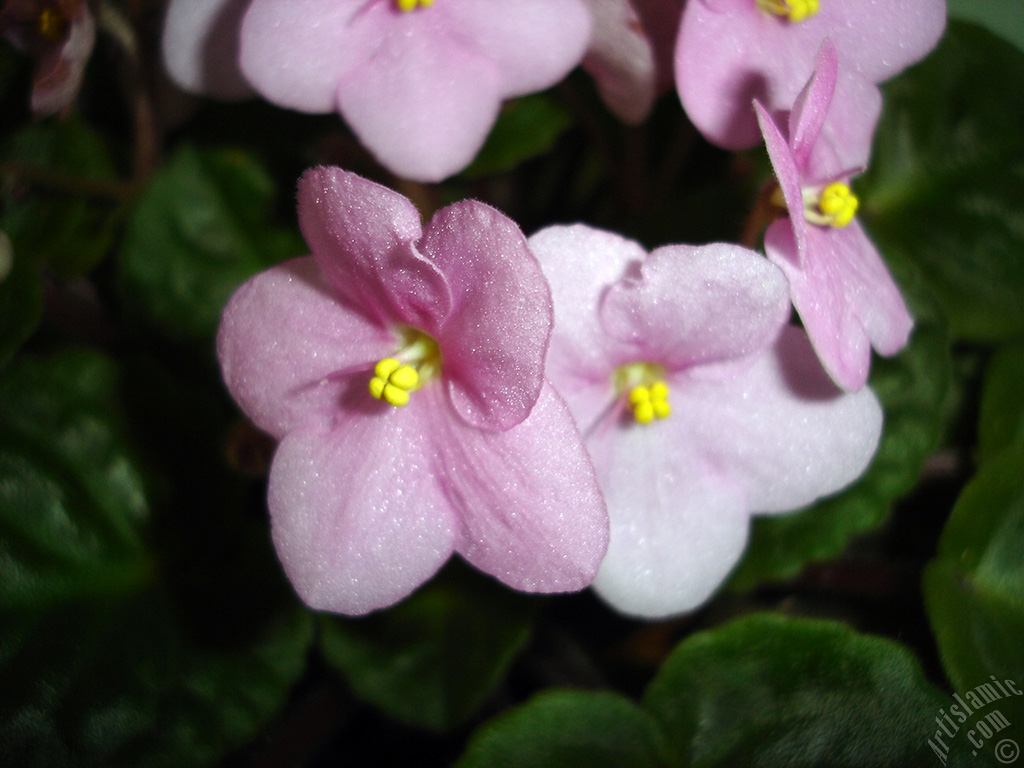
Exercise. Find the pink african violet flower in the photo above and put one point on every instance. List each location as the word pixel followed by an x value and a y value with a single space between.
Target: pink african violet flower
pixel 733 51
pixel 200 47
pixel 846 297
pixel 419 81
pixel 695 410
pixel 60 35
pixel 630 54
pixel 402 370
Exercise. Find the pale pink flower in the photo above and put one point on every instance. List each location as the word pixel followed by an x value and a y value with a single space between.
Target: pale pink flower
pixel 698 404
pixel 402 370
pixel 842 289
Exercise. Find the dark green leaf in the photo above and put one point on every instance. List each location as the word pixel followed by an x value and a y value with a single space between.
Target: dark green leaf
pixel 1001 423
pixel 527 127
pixel 912 388
pixel 974 589
pixel 199 231
pixel 59 211
pixel 773 691
pixel 568 729
pixel 72 499
pixel 945 189
pixel 1002 17
pixel 433 659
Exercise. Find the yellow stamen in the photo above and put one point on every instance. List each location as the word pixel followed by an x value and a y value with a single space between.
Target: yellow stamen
pixel 393 381
pixel 412 5
pixel 650 402
pixel 416 361
pixel 833 206
pixel 52 24
pixel 794 10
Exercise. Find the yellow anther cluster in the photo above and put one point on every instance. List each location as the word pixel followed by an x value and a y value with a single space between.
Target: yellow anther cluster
pixel 393 381
pixel 794 10
pixel 52 24
pixel 838 204
pixel 412 5
pixel 650 403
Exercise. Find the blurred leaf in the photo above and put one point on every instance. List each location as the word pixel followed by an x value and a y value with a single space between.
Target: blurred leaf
pixel 72 500
pixel 433 659
pixel 199 231
pixel 974 588
pixel 563 728
pixel 526 127
pixel 945 189
pixel 130 634
pixel 21 304
pixel 1002 17
pixel 775 691
pixel 1001 422
pixel 51 212
pixel 912 388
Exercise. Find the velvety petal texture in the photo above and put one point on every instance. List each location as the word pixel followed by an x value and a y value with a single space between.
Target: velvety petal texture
pixel 420 88
pixel 842 289
pixel 731 52
pixel 756 426
pixel 370 494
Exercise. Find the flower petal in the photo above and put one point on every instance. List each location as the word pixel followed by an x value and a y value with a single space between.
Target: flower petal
pixel 621 60
pixel 532 514
pixel 781 430
pixel 677 528
pixel 494 338
pixel 294 52
pixel 695 305
pixel 788 175
pixel 532 43
pixel 819 294
pixel 358 519
pixel 283 338
pixel 426 100
pixel 812 104
pixel 200 47
pixel 363 237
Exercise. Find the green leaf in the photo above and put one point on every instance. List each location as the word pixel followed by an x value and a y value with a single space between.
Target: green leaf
pixel 199 231
pixel 774 691
pixel 1001 17
pixel 912 388
pixel 1001 422
pixel 945 189
pixel 974 589
pixel 566 729
pixel 141 628
pixel 72 499
pixel 432 660
pixel 55 214
pixel 526 128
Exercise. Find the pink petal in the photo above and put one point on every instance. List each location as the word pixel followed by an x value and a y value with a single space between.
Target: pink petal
pixel 621 60
pixel 494 338
pixel 694 305
pixel 294 52
pixel 781 430
pixel 363 237
pixel 531 511
pixel 819 294
pixel 425 102
pixel 532 43
pixel 790 182
pixel 284 337
pixel 358 518
pixel 812 104
pixel 200 47
pixel 677 528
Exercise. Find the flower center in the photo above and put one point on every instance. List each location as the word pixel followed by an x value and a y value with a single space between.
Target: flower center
pixel 412 5
pixel 794 10
pixel 417 361
pixel 645 390
pixel 832 206
pixel 51 24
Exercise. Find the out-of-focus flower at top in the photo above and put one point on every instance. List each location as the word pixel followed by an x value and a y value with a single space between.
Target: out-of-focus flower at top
pixel 698 403
pixel 630 54
pixel 402 370
pixel 733 51
pixel 200 47
pixel 60 35
pixel 420 82
pixel 842 289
